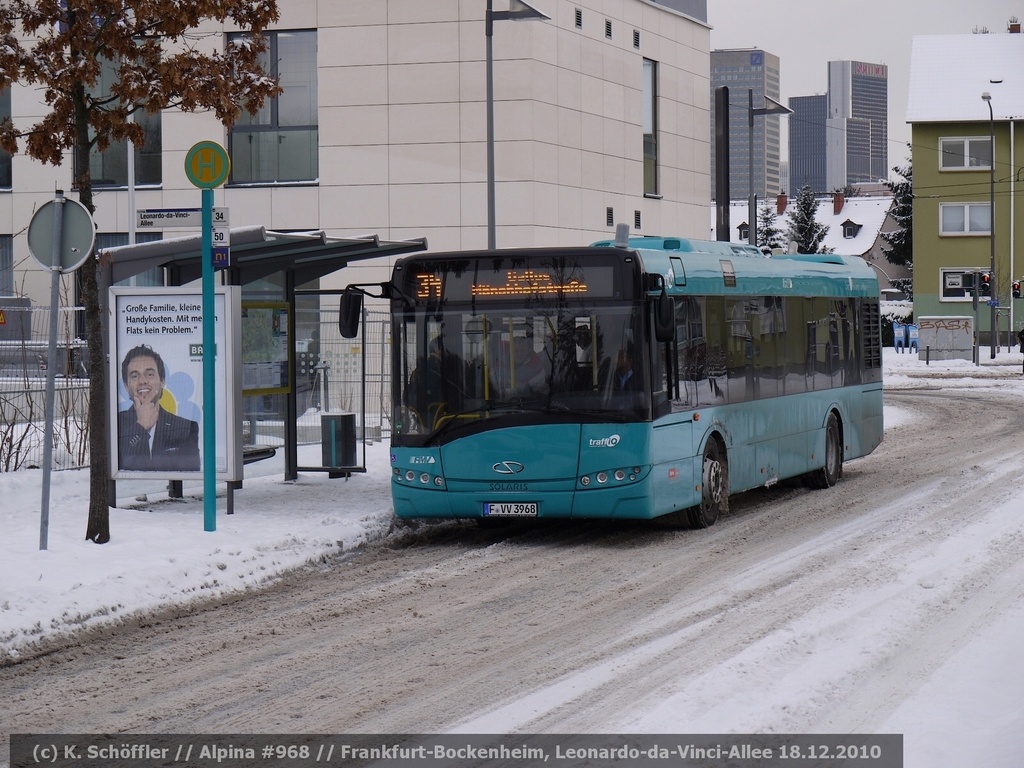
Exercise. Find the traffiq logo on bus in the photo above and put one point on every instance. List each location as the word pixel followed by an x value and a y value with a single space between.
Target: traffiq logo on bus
pixel 605 442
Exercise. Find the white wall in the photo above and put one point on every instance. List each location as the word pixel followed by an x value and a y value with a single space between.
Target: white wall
pixel 402 130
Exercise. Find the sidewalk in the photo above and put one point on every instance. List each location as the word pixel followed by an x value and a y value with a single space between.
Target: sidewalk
pixel 900 366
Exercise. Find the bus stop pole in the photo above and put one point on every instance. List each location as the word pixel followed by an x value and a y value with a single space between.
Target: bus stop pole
pixel 209 379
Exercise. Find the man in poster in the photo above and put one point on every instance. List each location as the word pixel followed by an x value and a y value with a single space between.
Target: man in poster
pixel 151 439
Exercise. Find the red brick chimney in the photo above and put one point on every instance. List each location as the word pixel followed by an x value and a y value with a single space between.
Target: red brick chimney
pixel 837 202
pixel 781 203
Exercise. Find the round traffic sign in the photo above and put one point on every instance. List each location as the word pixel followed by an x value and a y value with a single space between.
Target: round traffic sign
pixel 78 233
pixel 207 165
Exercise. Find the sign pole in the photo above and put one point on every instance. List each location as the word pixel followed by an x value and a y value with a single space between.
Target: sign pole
pixel 209 379
pixel 207 166
pixel 51 367
pixel 60 240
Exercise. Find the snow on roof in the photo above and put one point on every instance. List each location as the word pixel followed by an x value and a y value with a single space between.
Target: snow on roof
pixel 867 212
pixel 948 74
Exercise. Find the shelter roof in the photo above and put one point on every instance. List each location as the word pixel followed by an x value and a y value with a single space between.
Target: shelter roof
pixel 256 253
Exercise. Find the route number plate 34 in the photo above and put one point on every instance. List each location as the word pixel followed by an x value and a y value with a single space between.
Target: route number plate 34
pixel 510 509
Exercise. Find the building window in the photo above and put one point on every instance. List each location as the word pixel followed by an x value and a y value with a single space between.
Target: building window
pixel 5 157
pixel 967 153
pixel 952 285
pixel 650 127
pixel 6 265
pixel 851 229
pixel 280 143
pixel 109 168
pixel 965 219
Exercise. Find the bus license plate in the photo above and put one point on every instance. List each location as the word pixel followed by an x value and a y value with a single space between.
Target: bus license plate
pixel 510 509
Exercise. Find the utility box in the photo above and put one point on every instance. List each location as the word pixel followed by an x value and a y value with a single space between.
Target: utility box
pixel 338 436
pixel 946 338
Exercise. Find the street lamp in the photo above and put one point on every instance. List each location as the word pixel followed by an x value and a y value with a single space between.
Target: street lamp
pixel 994 298
pixel 517 11
pixel 771 107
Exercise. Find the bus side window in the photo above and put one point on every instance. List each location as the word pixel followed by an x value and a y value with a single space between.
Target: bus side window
pixel 663 371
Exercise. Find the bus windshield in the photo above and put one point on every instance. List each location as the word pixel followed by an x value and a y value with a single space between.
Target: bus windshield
pixel 481 344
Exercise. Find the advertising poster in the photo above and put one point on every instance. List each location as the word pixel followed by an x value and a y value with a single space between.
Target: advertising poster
pixel 156 380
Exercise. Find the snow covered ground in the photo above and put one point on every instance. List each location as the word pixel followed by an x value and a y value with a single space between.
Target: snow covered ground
pixel 160 554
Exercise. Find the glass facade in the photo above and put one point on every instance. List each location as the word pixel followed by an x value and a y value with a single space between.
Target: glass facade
pixel 109 168
pixel 280 143
pixel 744 71
pixel 5 157
pixel 650 127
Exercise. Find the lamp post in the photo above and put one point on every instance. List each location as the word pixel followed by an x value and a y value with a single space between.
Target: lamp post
pixel 771 107
pixel 517 11
pixel 993 301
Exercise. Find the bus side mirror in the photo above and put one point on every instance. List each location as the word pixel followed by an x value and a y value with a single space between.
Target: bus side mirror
pixel 351 311
pixel 664 318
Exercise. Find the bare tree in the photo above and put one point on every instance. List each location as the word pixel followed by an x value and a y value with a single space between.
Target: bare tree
pixel 61 47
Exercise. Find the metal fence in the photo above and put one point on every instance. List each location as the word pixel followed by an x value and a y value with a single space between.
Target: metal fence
pixel 24 353
pixel 337 370
pixel 328 376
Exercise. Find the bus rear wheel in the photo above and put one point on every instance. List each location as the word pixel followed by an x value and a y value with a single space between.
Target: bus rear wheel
pixel 829 474
pixel 714 495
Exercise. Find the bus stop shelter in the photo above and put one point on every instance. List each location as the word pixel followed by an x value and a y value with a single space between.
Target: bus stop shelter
pixel 294 258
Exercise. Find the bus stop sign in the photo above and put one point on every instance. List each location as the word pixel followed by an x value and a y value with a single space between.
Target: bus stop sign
pixel 207 165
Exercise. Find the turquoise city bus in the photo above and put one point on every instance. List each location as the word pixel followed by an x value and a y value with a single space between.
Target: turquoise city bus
pixel 652 377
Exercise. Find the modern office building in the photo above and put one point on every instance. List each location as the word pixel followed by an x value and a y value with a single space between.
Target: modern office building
pixel 748 71
pixel 857 129
pixel 807 157
pixel 601 117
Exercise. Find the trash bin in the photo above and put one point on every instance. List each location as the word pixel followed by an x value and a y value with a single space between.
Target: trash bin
pixel 338 435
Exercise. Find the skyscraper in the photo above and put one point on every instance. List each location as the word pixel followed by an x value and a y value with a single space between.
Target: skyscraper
pixel 807 158
pixel 857 132
pixel 744 70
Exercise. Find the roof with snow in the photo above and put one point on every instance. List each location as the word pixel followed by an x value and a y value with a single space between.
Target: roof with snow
pixel 865 215
pixel 948 74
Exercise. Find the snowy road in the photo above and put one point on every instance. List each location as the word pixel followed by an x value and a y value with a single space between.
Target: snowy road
pixel 802 611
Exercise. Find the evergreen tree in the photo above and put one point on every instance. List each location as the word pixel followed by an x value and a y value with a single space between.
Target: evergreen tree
pixel 901 241
pixel 804 228
pixel 60 48
pixel 768 234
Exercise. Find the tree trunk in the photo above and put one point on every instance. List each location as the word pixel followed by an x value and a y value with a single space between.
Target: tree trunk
pixel 98 527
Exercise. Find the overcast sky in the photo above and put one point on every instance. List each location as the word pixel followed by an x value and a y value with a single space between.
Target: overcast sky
pixel 807 34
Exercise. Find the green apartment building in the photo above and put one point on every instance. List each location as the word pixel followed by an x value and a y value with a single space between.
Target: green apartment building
pixel 966 98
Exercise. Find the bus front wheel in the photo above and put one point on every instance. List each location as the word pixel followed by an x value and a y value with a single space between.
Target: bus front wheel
pixel 714 495
pixel 829 474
